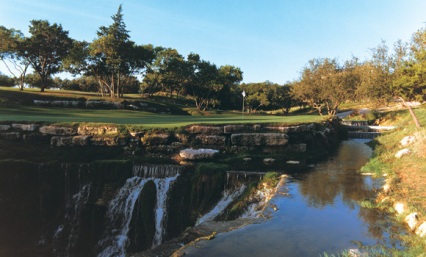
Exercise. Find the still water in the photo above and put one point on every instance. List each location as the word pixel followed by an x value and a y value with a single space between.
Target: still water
pixel 317 212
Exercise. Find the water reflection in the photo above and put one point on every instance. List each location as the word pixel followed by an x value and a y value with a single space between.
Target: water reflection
pixel 321 214
pixel 338 177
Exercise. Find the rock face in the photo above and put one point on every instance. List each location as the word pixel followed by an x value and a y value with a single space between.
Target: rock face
pixel 259 139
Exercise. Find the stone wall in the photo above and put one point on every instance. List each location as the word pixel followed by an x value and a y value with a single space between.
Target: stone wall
pixel 224 138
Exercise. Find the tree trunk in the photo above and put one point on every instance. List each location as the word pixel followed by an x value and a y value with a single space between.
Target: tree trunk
pixel 43 82
pixel 413 115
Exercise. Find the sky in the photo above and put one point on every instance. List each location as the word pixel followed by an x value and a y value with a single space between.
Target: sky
pixel 267 39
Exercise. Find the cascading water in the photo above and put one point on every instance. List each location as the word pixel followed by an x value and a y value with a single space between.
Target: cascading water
pixel 72 218
pixel 119 215
pixel 227 197
pixel 162 186
pixel 66 235
pixel 120 209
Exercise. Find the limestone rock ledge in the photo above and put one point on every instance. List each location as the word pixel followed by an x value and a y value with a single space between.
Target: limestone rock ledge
pixel 197 154
pixel 259 139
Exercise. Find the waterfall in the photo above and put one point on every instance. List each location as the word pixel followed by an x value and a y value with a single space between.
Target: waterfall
pixel 120 209
pixel 227 197
pixel 71 224
pixel 119 215
pixel 163 186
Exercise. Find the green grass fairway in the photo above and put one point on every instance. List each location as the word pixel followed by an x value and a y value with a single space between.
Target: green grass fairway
pixel 32 113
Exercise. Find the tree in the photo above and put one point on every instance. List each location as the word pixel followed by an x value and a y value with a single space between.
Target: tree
pixel 113 57
pixel 230 77
pixel 12 49
pixel 283 99
pixel 259 95
pixel 46 49
pixel 325 84
pixel 202 81
pixel 410 82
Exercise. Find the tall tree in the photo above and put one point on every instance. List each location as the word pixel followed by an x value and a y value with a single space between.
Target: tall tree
pixel 12 49
pixel 46 49
pixel 202 83
pixel 324 84
pixel 113 57
pixel 230 77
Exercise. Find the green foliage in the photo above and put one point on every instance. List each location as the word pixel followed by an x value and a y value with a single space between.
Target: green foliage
pixel 46 48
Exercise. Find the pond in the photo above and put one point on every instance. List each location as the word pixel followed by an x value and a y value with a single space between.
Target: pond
pixel 316 213
pixel 118 208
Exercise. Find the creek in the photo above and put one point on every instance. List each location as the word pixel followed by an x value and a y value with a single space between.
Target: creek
pixel 121 208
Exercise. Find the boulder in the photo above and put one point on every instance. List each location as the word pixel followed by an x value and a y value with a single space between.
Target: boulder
pixel 402 153
pixel 268 160
pixel 155 139
pixel 211 139
pixel 59 131
pixel 11 135
pixel 407 140
pixel 421 230
pixel 259 139
pixel 103 104
pixel 198 129
pixel 97 130
pixel 5 127
pixel 298 129
pixel 81 140
pixel 61 141
pixel 197 154
pixel 25 127
pixel 399 208
pixel 411 220
pixel 297 148
pixel 229 129
pixel 108 141
pixel 183 138
pixel 278 129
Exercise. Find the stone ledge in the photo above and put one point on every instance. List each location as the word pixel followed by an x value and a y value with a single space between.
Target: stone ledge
pixel 59 131
pixel 259 139
pixel 197 154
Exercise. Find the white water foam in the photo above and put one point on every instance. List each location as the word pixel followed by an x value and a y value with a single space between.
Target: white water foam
pixel 227 197
pixel 119 215
pixel 163 186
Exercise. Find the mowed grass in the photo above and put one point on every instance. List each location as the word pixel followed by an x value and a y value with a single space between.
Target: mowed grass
pixel 18 105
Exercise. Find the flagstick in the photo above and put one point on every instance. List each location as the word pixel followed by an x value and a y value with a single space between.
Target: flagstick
pixel 242 112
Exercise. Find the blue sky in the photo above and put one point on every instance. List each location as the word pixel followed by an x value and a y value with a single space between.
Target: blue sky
pixel 268 39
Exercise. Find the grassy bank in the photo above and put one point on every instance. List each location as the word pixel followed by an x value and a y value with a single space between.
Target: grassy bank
pixel 18 105
pixel 405 176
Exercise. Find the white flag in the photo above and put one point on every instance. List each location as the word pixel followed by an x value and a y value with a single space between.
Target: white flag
pixel 244 93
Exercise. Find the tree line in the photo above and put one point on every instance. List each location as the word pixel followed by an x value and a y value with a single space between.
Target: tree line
pixel 112 64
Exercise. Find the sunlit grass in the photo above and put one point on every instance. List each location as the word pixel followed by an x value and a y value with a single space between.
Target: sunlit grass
pixel 147 119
